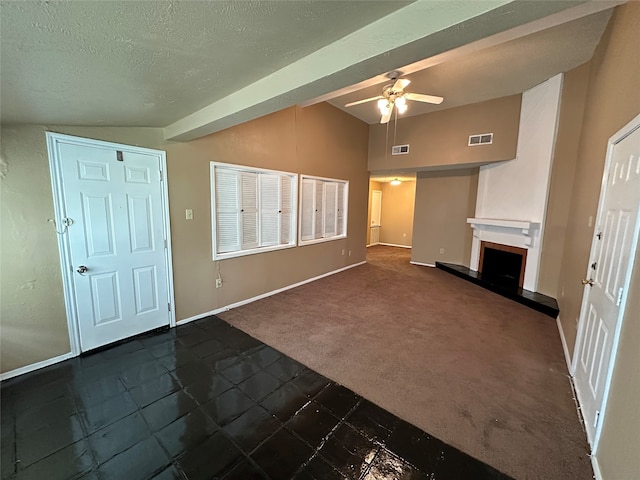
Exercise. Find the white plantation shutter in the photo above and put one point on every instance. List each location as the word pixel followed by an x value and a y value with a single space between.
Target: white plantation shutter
pixel 269 208
pixel 227 211
pixel 340 218
pixel 249 209
pixel 286 209
pixel 330 207
pixel 323 206
pixel 307 208
pixel 318 231
pixel 253 209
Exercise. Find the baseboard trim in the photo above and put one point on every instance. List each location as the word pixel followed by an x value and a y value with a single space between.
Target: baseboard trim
pixel 267 294
pixel 372 245
pixel 565 347
pixel 35 366
pixel 597 474
pixel 394 245
pixel 432 265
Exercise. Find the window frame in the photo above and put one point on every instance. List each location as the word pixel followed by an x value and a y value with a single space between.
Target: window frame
pixel 239 169
pixel 345 208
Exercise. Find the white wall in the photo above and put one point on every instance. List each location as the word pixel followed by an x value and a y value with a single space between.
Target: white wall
pixel 517 189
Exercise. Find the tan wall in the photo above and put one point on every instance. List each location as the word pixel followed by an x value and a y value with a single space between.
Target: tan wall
pixel 572 103
pixel 372 186
pixel 444 201
pixel 441 138
pixel 397 213
pixel 613 99
pixel 319 140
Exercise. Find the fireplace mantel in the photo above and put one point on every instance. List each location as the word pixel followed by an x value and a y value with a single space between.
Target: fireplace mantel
pixel 515 233
pixel 524 228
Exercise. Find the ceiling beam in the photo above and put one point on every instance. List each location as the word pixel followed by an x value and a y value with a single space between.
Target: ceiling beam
pixel 420 30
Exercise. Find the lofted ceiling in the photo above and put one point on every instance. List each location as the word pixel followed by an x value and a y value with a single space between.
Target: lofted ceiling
pixel 504 69
pixel 196 67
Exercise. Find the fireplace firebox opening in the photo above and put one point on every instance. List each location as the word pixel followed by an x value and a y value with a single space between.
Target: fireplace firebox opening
pixel 502 264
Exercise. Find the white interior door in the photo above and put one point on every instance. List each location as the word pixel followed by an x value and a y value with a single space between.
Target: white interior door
pixel 376 207
pixel 116 240
pixel 608 276
pixel 376 213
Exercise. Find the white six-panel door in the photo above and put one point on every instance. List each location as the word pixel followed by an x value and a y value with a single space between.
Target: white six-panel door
pixel 113 202
pixel 608 275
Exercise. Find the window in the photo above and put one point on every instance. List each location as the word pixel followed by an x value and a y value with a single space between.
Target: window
pixel 323 209
pixel 253 210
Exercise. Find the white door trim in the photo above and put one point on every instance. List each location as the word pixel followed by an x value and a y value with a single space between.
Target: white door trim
pixel 624 132
pixel 53 140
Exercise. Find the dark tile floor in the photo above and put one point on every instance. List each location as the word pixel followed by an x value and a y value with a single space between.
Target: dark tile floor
pixel 205 401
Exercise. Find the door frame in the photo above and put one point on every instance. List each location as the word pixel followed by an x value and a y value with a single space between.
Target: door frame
pixel 64 248
pixel 620 135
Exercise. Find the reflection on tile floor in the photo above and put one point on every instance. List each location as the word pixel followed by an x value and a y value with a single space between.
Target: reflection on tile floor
pixel 205 401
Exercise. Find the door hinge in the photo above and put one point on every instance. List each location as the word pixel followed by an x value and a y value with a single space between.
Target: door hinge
pixel 161 175
pixel 169 306
pixel 165 244
pixel 595 422
pixel 619 299
pixel 119 156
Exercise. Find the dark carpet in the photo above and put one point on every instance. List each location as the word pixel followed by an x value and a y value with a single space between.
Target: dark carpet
pixel 476 370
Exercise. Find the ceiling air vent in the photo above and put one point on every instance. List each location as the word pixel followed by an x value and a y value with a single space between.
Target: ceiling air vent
pixel 399 149
pixel 481 139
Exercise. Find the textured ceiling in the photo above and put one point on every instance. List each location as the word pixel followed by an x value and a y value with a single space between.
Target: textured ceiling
pixel 196 67
pixel 149 63
pixel 505 69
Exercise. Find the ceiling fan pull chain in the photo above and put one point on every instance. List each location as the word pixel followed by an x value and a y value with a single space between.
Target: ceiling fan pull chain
pixel 395 124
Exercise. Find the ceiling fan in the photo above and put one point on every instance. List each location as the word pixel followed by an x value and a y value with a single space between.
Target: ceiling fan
pixel 393 95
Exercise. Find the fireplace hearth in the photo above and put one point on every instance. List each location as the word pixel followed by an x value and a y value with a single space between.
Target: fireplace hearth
pixel 534 300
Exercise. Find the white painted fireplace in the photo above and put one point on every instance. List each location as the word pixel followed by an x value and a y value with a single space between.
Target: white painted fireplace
pixel 512 196
pixel 514 233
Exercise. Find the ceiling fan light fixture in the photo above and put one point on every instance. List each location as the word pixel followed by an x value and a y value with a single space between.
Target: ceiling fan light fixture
pixel 384 105
pixel 401 107
pixel 395 181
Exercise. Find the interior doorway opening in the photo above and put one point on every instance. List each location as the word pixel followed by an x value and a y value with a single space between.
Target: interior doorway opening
pixel 391 208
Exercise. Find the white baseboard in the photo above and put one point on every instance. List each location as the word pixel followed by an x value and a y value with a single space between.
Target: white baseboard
pixel 66 356
pixel 394 245
pixel 372 245
pixel 597 474
pixel 565 348
pixel 265 295
pixel 35 366
pixel 432 265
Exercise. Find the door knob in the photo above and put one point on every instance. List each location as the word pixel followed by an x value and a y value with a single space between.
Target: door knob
pixel 588 282
pixel 82 269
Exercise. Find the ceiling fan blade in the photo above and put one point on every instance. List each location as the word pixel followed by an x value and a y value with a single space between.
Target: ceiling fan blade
pixel 387 116
pixel 400 84
pixel 364 101
pixel 418 97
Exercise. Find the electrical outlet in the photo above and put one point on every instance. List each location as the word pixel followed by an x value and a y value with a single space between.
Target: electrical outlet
pixel 349 252
pixel 218 283
pixel 441 251
pixel 343 251
pixel 188 214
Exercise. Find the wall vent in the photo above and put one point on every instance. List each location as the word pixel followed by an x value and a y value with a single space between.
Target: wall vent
pixel 400 149
pixel 481 139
